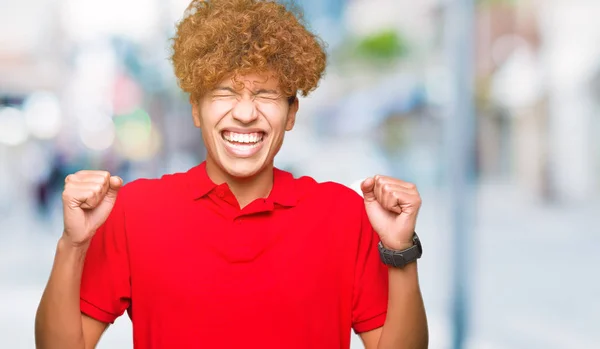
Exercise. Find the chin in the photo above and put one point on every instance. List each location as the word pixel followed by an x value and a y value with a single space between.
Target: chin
pixel 243 168
pixel 233 165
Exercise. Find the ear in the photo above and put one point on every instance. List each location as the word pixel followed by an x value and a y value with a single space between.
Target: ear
pixel 291 117
pixel 196 112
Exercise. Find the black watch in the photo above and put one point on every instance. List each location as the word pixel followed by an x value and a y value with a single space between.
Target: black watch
pixel 399 259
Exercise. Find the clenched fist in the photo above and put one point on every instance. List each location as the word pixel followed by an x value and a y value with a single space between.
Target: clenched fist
pixel 88 198
pixel 392 206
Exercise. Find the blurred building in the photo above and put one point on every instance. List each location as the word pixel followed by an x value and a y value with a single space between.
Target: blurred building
pixel 88 84
pixel 538 112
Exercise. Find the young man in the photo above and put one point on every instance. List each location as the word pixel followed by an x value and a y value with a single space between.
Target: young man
pixel 235 253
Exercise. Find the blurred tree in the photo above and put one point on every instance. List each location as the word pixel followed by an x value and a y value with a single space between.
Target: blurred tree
pixel 496 2
pixel 387 45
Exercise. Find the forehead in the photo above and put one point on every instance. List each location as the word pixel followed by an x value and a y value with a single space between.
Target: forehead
pixel 251 81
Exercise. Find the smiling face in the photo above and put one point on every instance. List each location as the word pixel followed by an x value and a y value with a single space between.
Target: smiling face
pixel 243 126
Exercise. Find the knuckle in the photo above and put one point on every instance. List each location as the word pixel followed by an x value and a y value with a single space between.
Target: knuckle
pixel 97 188
pixel 68 187
pixel 69 178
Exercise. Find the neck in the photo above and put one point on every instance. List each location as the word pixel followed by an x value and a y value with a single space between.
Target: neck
pixel 246 189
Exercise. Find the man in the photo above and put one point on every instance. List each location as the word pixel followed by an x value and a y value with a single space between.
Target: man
pixel 235 253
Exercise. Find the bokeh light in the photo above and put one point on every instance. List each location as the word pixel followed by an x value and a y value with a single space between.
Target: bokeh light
pixel 86 19
pixel 43 115
pixel 13 129
pixel 137 139
pixel 97 131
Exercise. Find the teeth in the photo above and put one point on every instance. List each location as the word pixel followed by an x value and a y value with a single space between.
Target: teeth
pixel 242 137
pixel 244 146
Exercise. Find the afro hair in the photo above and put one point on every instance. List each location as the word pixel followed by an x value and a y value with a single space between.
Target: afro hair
pixel 230 38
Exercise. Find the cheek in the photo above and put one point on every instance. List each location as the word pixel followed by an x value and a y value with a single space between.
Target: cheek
pixel 207 134
pixel 212 116
pixel 275 115
pixel 221 107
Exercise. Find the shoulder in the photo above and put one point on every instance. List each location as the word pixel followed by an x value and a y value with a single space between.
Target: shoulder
pixel 145 190
pixel 332 193
pixel 339 191
pixel 336 210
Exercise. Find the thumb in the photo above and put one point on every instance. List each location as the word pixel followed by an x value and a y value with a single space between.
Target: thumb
pixel 367 187
pixel 115 184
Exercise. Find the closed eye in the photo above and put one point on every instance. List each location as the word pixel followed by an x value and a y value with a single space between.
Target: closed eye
pixel 267 96
pixel 224 92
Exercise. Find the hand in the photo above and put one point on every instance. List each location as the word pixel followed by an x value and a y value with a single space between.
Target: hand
pixel 392 206
pixel 88 198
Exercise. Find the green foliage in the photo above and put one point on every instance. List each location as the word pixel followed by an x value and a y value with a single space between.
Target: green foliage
pixel 496 2
pixel 387 44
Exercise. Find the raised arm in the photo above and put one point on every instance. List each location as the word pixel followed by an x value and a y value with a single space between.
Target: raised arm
pixel 88 199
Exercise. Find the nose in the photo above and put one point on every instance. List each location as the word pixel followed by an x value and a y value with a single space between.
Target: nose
pixel 245 111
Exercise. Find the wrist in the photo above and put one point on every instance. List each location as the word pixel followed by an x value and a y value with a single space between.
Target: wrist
pixel 397 245
pixel 69 255
pixel 67 243
pixel 399 253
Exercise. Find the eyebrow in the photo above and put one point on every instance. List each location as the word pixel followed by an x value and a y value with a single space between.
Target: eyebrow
pixel 266 91
pixel 261 91
pixel 223 88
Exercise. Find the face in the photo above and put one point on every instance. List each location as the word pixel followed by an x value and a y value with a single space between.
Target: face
pixel 243 128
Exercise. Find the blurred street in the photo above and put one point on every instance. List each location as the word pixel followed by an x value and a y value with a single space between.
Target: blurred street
pixel 535 269
pixel 415 90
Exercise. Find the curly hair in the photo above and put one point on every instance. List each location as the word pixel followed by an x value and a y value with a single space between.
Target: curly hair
pixel 221 38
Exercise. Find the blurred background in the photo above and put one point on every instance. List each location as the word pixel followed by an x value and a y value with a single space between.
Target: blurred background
pixel 508 165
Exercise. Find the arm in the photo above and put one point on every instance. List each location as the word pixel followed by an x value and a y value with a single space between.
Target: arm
pixel 406 323
pixel 392 206
pixel 88 199
pixel 59 322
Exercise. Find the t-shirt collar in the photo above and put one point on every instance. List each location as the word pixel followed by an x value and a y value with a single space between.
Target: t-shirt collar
pixel 283 192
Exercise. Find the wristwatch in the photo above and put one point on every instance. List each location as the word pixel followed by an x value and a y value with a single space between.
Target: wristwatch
pixel 399 259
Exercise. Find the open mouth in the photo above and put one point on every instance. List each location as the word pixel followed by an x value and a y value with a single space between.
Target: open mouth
pixel 243 144
pixel 242 138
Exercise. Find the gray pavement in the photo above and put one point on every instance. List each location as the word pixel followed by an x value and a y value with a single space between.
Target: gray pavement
pixel 535 283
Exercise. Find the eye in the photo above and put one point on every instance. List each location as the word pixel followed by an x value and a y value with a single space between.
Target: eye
pixel 266 97
pixel 223 96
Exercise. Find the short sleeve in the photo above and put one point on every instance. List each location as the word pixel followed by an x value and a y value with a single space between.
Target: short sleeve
pixel 370 295
pixel 105 283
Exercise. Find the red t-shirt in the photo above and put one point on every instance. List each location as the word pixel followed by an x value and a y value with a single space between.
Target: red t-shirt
pixel 299 269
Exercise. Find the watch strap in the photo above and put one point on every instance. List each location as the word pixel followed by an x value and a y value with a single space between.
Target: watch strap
pixel 399 259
